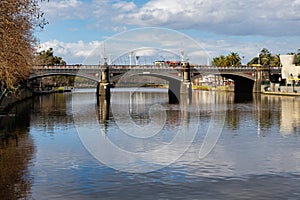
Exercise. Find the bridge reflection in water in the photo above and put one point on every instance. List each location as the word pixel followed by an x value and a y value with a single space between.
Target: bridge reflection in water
pixel 253 128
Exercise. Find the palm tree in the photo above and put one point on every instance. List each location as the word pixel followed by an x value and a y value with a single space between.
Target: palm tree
pixel 275 61
pixel 265 57
pixel 219 61
pixel 233 59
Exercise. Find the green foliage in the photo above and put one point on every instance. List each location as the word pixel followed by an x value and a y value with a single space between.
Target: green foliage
pixel 275 61
pixel 254 61
pixel 265 59
pixel 47 58
pixel 232 59
pixel 297 61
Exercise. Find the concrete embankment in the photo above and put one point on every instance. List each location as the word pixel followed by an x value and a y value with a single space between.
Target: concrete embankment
pixel 282 93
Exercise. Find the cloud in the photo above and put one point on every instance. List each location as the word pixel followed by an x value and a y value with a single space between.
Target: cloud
pixel 73 52
pixel 231 17
pixel 91 52
pixel 124 6
pixel 64 9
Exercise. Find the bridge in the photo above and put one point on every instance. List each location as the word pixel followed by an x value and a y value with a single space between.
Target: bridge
pixel 246 79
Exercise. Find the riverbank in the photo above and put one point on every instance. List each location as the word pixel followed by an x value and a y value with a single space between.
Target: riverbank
pixel 275 89
pixel 282 93
pixel 12 98
pixel 56 90
pixel 211 88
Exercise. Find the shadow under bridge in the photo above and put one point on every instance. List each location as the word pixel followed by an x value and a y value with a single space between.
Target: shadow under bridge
pixel 243 83
pixel 174 79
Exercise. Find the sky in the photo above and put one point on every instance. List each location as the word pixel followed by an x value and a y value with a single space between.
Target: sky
pixel 86 31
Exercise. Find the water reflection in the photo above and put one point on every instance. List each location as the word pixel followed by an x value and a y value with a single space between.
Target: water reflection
pixel 51 110
pixel 139 128
pixel 258 148
pixel 16 151
pixel 281 112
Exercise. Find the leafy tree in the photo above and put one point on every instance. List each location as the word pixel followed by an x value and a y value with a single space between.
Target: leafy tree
pixel 265 57
pixel 219 61
pixel 18 19
pixel 275 61
pixel 253 61
pixel 232 59
pixel 47 58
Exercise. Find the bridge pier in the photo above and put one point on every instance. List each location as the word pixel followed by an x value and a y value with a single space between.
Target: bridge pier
pixel 186 83
pixel 258 80
pixel 103 112
pixel 103 87
pixel 181 90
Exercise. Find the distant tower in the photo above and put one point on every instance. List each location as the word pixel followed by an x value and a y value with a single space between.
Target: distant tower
pixel 130 58
pixel 182 56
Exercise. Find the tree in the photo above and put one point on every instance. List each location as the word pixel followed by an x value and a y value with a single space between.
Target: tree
pixel 18 19
pixel 265 57
pixel 275 61
pixel 219 61
pixel 232 59
pixel 47 58
pixel 253 61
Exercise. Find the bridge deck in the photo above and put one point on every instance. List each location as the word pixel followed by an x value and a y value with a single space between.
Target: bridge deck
pixel 93 71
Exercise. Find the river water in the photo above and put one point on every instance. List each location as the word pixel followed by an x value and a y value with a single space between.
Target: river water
pixel 63 146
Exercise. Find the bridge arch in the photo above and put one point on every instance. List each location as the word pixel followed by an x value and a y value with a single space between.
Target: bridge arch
pixel 174 82
pixel 36 76
pixel 243 83
pixel 166 76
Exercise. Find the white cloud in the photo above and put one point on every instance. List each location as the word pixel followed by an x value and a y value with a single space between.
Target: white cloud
pixel 241 19
pixel 91 52
pixel 278 17
pixel 73 52
pixel 124 6
pixel 230 17
pixel 64 9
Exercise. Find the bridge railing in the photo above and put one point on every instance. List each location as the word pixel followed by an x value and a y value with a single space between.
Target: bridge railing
pixel 142 67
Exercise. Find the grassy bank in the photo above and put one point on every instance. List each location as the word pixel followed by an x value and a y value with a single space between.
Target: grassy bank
pixel 210 88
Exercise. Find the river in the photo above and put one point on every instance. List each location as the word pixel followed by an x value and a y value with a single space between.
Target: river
pixel 138 146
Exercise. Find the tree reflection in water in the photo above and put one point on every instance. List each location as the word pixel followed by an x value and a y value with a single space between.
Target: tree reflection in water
pixel 16 151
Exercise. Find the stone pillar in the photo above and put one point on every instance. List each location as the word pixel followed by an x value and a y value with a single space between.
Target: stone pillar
pixel 103 113
pixel 186 84
pixel 103 87
pixel 258 80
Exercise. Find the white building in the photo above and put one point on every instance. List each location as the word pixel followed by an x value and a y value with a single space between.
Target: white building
pixel 289 70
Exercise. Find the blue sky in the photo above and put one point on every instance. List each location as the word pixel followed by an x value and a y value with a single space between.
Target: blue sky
pixel 77 27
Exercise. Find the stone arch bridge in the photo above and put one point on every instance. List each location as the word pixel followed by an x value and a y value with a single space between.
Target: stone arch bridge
pixel 246 79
